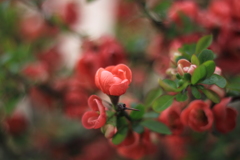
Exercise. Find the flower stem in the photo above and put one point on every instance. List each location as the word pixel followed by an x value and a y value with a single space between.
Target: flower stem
pixel 114 100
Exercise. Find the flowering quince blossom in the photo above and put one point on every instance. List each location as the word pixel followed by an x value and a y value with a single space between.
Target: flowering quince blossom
pixel 136 146
pixel 188 8
pixel 113 80
pixel 184 66
pixel 96 118
pixel 198 116
pixel 224 116
pixel 171 117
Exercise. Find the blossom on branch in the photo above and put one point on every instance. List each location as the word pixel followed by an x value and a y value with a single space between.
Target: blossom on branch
pixel 113 80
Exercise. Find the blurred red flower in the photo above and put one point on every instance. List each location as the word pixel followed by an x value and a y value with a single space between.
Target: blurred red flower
pixel 171 117
pixel 225 117
pixel 136 146
pixel 198 116
pixel 16 124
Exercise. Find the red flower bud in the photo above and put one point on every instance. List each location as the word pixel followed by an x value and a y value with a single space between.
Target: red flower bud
pixel 96 118
pixel 197 116
pixel 113 80
pixel 184 66
pixel 171 117
pixel 109 130
pixel 225 116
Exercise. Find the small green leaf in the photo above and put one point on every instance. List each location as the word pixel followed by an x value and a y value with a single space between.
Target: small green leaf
pixel 122 131
pixel 181 97
pixel 205 55
pixel 198 74
pixel 162 103
pixel 210 67
pixel 203 43
pixel 187 76
pixel 187 50
pixel 138 128
pixel 211 95
pixel 151 115
pixel 161 8
pixel 156 126
pixel 194 60
pixel 216 79
pixel 111 118
pixel 222 82
pixel 152 95
pixel 168 85
pixel 135 115
pixel 195 92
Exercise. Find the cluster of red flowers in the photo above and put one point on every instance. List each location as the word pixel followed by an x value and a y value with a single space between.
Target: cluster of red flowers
pixel 200 116
pixel 221 17
pixel 101 67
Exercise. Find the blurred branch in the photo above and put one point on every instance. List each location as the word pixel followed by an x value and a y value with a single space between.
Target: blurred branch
pixel 156 22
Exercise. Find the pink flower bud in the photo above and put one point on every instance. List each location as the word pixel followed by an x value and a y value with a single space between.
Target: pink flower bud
pixel 109 130
pixel 184 66
pixel 218 71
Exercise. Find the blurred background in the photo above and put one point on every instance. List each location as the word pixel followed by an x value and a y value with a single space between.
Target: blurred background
pixel 51 49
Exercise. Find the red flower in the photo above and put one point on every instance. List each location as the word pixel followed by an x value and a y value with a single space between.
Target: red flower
pixel 171 117
pixel 96 118
pixel 70 13
pixel 111 51
pixel 36 71
pixel 187 8
pixel 16 124
pixel 198 116
pixel 225 116
pixel 113 80
pixel 136 146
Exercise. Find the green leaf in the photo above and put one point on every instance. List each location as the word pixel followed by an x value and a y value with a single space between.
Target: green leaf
pixel 217 80
pixel 203 43
pixel 161 8
pixel 210 67
pixel 187 76
pixel 222 82
pixel 151 115
pixel 111 118
pixel 122 131
pixel 135 115
pixel 138 128
pixel 211 95
pixel 181 97
pixel 195 92
pixel 205 55
pixel 198 74
pixel 162 103
pixel 187 50
pixel 168 85
pixel 233 86
pixel 152 95
pixel 194 60
pixel 156 126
